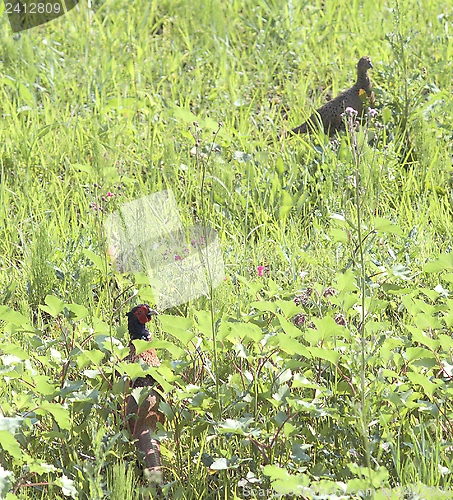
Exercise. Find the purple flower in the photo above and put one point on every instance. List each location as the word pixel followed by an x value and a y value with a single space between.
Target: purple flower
pixel 350 111
pixel 373 112
pixel 304 297
pixel 329 291
pixel 340 319
pixel 300 319
pixel 178 257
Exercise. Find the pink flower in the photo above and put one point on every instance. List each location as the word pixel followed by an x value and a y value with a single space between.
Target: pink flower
pixel 260 270
pixel 178 257
pixel 109 194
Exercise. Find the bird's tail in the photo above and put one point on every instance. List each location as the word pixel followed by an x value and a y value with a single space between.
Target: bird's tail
pixel 301 129
pixel 142 426
pixel 150 447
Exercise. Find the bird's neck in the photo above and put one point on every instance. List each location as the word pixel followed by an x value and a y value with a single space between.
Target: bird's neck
pixel 363 81
pixel 138 331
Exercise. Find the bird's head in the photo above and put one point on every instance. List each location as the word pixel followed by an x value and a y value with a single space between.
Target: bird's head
pixel 364 64
pixel 137 318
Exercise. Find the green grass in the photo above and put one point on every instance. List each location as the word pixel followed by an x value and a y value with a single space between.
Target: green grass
pixel 107 96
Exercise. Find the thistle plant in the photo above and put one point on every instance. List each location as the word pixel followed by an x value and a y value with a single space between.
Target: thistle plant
pixel 357 149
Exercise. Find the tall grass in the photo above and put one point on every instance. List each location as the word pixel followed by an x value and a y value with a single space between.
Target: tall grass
pixel 330 363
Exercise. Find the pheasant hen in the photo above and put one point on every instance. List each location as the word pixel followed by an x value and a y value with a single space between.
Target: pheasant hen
pixel 143 420
pixel 330 113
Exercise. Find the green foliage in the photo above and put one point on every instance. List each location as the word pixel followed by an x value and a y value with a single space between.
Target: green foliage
pixel 323 362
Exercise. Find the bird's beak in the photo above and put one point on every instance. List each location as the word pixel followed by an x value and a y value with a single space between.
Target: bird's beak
pixel 371 65
pixel 151 313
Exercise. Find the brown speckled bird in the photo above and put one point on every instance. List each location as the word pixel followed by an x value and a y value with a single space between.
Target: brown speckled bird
pixel 143 420
pixel 330 113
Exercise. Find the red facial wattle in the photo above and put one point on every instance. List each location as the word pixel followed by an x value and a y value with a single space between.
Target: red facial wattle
pixel 143 314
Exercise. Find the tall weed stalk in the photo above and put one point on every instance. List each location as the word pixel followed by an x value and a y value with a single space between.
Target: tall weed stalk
pixel 357 146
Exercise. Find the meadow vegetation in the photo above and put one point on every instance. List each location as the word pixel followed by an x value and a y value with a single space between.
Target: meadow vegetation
pixel 323 363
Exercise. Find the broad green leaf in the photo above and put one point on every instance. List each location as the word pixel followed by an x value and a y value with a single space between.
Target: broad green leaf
pixel 338 219
pixel 141 278
pixel 286 204
pixel 288 307
pixel 68 487
pixel 95 356
pixel 72 387
pixel 291 346
pixel 399 271
pixel 301 381
pixel 246 331
pixel 10 444
pixel 203 322
pixel 41 467
pixel 420 337
pixel 427 322
pixel 275 472
pixel 346 281
pixel 446 342
pixel 14 350
pixel 220 464
pixel 414 353
pixel 327 354
pixel 442 263
pixel 184 115
pixel 96 259
pixel 132 370
pixel 339 235
pixel 385 226
pixel 55 305
pixel 264 305
pixel 254 288
pixel 43 387
pixel 140 394
pixel 8 314
pixel 289 328
pixel 178 327
pixel 283 482
pixel 79 311
pixel 59 412
pixel 393 289
pixel 142 346
pixel 224 330
pixel 390 373
pixel 326 328
pixel 418 378
pixel 176 351
pixel 235 426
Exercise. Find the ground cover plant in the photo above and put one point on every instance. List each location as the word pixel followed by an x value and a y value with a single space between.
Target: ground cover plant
pixel 322 366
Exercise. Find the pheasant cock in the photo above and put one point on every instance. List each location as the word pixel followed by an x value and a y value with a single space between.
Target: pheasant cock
pixel 330 113
pixel 142 421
